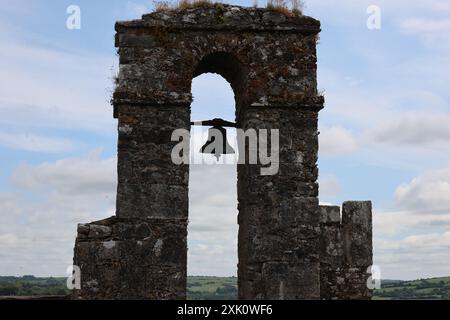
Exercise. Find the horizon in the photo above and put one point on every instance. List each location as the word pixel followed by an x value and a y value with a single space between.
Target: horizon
pixel 384 133
pixel 198 276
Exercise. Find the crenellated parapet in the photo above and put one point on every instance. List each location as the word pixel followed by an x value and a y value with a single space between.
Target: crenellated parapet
pixel 346 251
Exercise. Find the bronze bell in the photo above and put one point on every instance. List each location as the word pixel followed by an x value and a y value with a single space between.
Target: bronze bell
pixel 217 143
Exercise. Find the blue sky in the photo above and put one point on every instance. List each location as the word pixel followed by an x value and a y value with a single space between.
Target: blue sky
pixel 385 132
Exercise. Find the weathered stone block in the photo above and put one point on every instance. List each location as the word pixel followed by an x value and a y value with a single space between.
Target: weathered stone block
pixel 357 224
pixel 346 251
pixel 330 214
pixel 132 259
pixel 152 201
pixel 284 281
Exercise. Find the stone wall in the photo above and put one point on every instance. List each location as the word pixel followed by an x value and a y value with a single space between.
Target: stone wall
pixel 270 61
pixel 278 220
pixel 131 259
pixel 346 251
pixel 142 252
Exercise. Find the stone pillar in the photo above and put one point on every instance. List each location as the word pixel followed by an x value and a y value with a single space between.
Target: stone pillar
pixel 346 251
pixel 278 215
pixel 142 252
pixel 331 251
pixel 357 245
pixel 150 185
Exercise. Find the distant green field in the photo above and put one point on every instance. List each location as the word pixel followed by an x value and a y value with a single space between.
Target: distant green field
pixel 216 288
pixel 423 289
pixel 212 288
pixel 32 286
pixel 199 288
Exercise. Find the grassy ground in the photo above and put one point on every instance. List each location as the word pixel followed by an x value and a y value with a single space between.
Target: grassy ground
pixel 32 286
pixel 212 288
pixel 216 288
pixel 434 288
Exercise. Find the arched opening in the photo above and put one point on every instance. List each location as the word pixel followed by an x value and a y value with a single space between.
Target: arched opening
pixel 230 69
pixel 213 209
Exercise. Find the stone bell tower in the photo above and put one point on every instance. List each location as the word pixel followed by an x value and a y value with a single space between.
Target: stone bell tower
pixel 289 247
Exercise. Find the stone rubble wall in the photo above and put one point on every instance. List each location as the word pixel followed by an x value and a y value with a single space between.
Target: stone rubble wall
pixel 346 251
pixel 139 259
pixel 160 54
pixel 142 252
pixel 278 215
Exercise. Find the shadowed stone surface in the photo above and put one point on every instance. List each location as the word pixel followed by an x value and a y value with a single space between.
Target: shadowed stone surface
pixel 131 259
pixel 346 251
pixel 270 61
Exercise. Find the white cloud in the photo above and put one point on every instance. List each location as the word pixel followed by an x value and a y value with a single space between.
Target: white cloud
pixel 336 141
pixel 8 239
pixel 412 129
pixel 46 86
pixel 427 193
pixel 22 8
pixel 77 190
pixel 397 10
pixel 73 176
pixel 136 10
pixel 355 8
pixel 414 242
pixel 329 186
pixel 421 25
pixel 65 88
pixel 213 224
pixel 213 98
pixel 391 223
pixel 428 240
pixel 35 142
pixel 414 256
pixel 40 219
pixel 434 32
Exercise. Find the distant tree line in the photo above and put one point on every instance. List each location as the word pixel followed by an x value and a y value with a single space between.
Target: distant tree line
pixel 32 286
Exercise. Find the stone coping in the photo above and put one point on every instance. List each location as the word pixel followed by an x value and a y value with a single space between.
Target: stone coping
pixel 219 17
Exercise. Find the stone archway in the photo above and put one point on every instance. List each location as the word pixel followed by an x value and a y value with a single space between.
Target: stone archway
pixel 270 60
pixel 213 227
